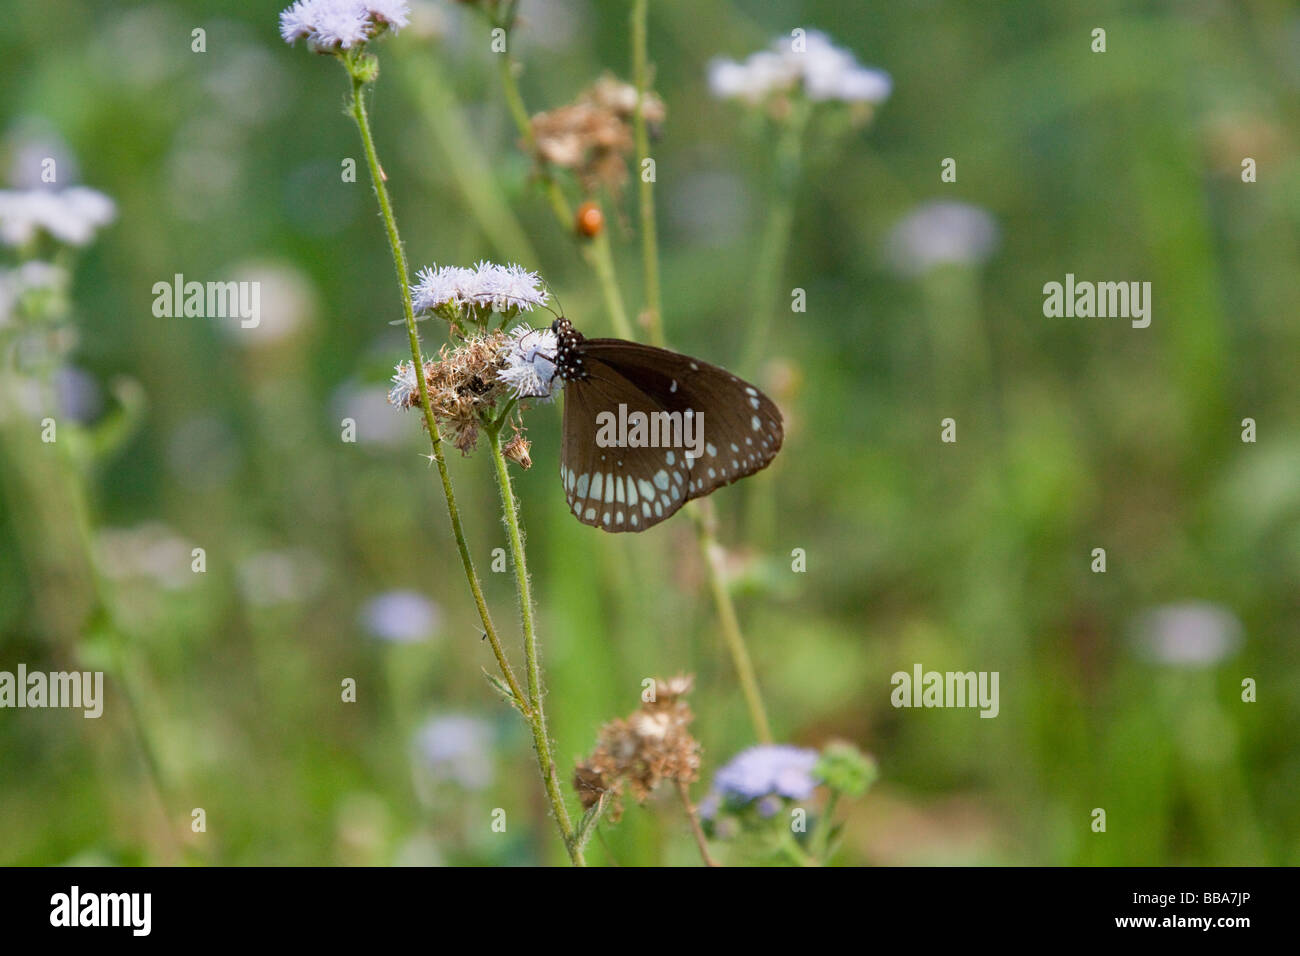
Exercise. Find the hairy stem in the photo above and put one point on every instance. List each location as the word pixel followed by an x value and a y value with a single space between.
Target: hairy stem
pixel 403 281
pixel 537 714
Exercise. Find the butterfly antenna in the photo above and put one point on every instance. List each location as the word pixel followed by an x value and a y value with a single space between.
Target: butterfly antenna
pixel 560 314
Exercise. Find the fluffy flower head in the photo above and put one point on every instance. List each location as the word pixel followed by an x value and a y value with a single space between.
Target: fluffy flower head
pixel 341 24
pixel 530 364
pixel 487 287
pixel 767 770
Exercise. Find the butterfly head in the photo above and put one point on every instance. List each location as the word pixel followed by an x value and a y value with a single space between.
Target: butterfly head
pixel 568 351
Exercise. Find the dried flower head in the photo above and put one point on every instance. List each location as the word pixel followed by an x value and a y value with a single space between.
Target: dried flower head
pixel 463 384
pixel 634 755
pixel 332 25
pixel 593 136
pixel 516 450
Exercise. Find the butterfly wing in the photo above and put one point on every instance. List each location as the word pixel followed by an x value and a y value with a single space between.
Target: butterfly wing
pixel 616 488
pixel 742 427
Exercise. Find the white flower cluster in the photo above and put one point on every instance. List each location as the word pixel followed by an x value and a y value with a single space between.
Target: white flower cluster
pixel 824 71
pixel 487 286
pixel 941 232
pixel 68 215
pixel 530 364
pixel 341 24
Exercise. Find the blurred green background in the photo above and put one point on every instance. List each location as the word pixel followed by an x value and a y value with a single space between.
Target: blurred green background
pixel 1073 434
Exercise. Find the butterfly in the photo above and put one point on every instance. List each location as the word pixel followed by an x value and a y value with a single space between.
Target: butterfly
pixel 647 429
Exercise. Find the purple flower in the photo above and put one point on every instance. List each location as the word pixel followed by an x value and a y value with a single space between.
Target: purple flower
pixel 762 771
pixel 457 748
pixel 401 617
pixel 1191 634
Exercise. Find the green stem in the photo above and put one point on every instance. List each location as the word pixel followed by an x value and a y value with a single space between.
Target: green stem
pixel 821 840
pixel 793 852
pixel 537 714
pixel 61 492
pixel 649 236
pixel 601 258
pixel 431 424
pixel 735 640
pixel 775 242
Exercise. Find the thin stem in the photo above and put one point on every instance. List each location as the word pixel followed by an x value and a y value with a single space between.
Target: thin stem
pixel 696 829
pixel 793 852
pixel 601 257
pixel 403 279
pixel 735 640
pixel 775 242
pixel 537 718
pixel 821 840
pixel 649 236
pixel 597 251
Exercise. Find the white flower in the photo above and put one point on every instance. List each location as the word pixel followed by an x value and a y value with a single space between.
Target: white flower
pixel 530 364
pixel 939 233
pixel 69 215
pixel 341 24
pixel 825 71
pixel 487 286
pixel 1193 634
pixel 405 390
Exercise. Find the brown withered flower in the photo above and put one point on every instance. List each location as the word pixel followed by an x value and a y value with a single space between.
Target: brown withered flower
pixel 635 755
pixel 516 450
pixel 463 383
pixel 593 135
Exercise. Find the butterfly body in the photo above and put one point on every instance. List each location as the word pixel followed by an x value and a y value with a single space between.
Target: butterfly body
pixel 647 429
